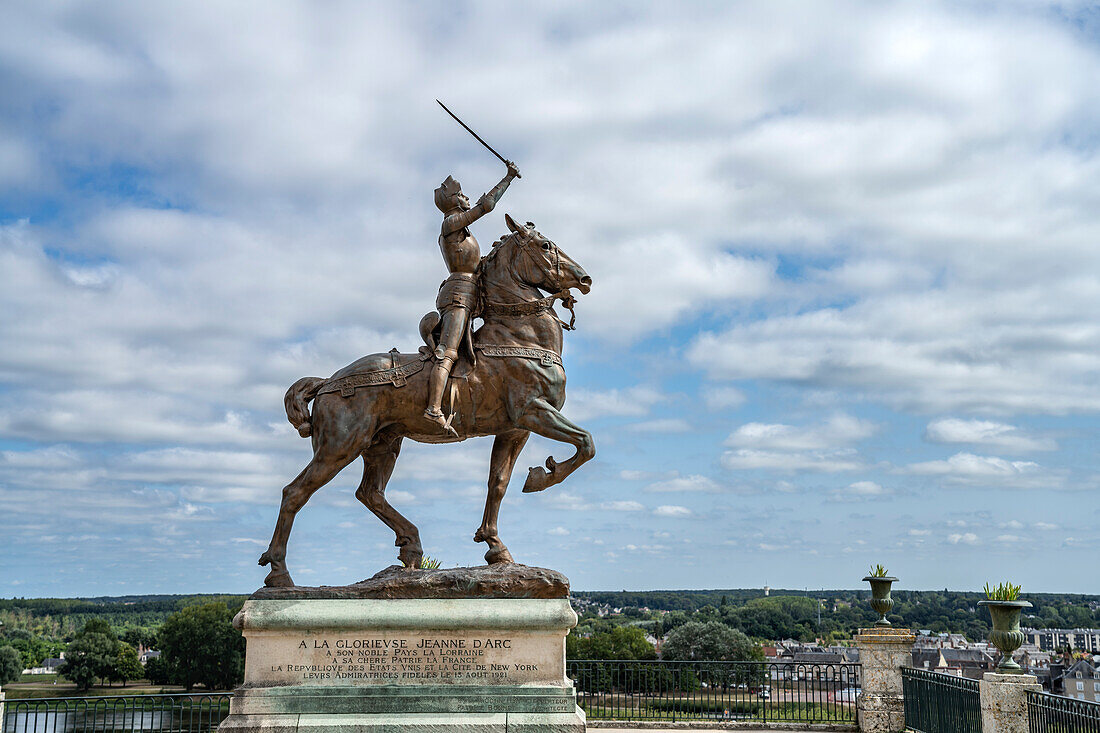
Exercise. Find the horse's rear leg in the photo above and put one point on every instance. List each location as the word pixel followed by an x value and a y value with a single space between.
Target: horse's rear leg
pixel 506 449
pixel 540 417
pixel 378 463
pixel 320 470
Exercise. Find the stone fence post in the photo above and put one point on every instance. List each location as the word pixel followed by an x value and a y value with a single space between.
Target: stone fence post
pixel 883 651
pixel 1004 701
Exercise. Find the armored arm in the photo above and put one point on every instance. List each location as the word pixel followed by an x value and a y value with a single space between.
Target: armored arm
pixel 485 204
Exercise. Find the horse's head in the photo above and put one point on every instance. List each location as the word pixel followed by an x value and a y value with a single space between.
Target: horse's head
pixel 535 261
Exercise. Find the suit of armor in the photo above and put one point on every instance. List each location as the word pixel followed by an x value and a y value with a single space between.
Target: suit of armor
pixel 458 293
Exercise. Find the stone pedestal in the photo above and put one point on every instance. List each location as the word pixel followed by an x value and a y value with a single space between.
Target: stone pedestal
pixel 882 653
pixel 327 664
pixel 1004 701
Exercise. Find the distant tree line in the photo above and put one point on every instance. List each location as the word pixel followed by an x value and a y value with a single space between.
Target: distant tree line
pixel 61 619
pixel 198 644
pixel 830 615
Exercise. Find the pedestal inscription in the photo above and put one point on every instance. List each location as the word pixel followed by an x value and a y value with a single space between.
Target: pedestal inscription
pixel 370 659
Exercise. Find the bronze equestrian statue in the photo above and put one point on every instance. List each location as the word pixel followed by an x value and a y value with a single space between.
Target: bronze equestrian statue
pixel 512 384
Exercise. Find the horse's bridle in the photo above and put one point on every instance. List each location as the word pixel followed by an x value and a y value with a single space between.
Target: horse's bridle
pixel 533 307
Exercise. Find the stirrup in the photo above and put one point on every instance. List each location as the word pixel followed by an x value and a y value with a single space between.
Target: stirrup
pixel 447 425
pixel 443 421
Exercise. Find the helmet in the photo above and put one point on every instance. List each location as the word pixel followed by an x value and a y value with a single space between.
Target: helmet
pixel 445 193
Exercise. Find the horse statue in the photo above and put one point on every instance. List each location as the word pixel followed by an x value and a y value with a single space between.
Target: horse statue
pixel 511 384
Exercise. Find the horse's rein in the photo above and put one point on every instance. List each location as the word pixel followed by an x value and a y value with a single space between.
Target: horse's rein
pixel 533 307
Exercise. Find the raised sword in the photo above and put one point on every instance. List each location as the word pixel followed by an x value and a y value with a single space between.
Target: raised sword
pixel 476 136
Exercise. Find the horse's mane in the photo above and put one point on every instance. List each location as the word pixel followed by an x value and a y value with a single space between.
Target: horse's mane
pixel 497 245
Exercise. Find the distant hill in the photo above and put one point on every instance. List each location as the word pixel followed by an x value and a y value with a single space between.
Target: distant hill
pixel 62 617
pixel 785 612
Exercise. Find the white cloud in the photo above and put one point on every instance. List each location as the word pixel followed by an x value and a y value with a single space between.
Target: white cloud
pixel 867 488
pixel 973 348
pixel 646 548
pixel 585 404
pixel 664 425
pixel 670 511
pixel 985 433
pixel 722 398
pixel 692 483
pixel 860 490
pixel 558 532
pixel 838 431
pixel 621 506
pixel 967 468
pixel 52 457
pixel 565 500
pixel 813 448
pixel 747 460
pixel 966 538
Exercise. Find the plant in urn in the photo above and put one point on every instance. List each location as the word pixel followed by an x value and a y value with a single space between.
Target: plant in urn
pixel 1005 607
pixel 880 592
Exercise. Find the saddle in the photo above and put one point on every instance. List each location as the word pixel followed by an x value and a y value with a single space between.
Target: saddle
pixel 393 368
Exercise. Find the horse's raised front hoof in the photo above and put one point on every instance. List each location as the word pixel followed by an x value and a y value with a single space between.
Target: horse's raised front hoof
pixel 280 579
pixel 498 555
pixel 268 558
pixel 537 480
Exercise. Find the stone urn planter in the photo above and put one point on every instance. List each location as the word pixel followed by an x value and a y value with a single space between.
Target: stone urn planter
pixel 1006 634
pixel 880 596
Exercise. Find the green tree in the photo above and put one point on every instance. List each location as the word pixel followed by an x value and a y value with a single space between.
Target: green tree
pixel 11 665
pixel 714 641
pixel 623 642
pixel 91 655
pixel 98 626
pixel 33 648
pixel 157 671
pixel 127 665
pixel 200 646
pixel 710 641
pixel 137 636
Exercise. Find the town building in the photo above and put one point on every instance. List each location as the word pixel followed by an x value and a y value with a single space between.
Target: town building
pixel 1087 640
pixel 1081 681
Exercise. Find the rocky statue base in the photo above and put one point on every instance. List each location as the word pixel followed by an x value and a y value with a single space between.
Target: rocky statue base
pixel 482 650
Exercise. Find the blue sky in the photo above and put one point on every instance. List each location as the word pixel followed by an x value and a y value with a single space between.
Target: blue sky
pixel 846 302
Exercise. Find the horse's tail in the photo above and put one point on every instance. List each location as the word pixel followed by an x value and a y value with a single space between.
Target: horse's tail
pixel 297 403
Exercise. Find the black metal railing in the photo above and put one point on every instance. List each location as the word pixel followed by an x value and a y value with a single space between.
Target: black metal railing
pixel 1048 713
pixel 667 690
pixel 940 703
pixel 182 713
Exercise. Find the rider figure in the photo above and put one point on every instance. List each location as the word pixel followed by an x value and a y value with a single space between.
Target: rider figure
pixel 457 295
